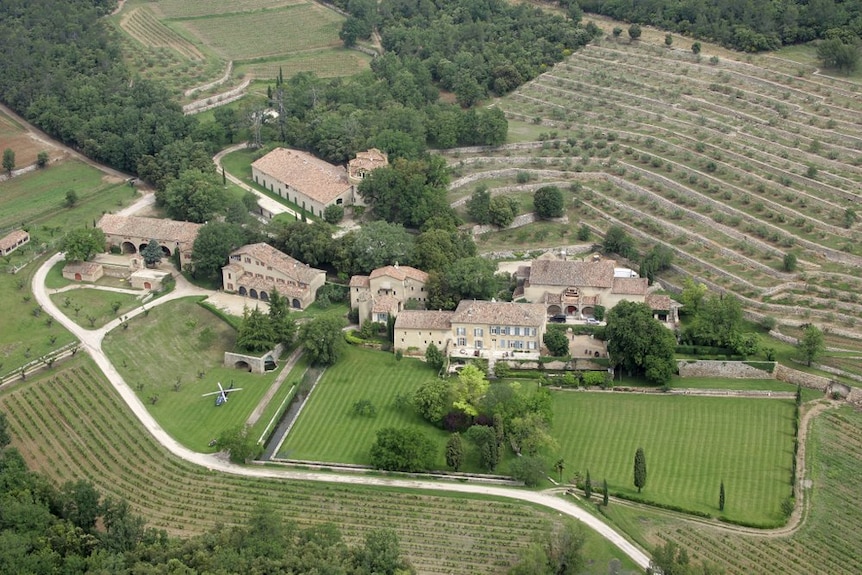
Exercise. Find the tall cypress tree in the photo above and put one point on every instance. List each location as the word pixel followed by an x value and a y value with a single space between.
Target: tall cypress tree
pixel 640 469
pixel 605 495
pixel 721 497
pixel 588 486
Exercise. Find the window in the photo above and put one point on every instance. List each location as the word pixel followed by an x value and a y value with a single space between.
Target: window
pixel 460 331
pixel 462 341
pixel 517 331
pixel 478 332
pixel 531 345
pixel 503 343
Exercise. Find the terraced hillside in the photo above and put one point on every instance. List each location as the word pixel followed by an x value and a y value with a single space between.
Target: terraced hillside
pixel 731 163
pixel 189 44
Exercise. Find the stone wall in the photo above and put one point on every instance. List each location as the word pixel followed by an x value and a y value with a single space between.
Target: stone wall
pixel 718 368
pixel 795 377
pixel 256 364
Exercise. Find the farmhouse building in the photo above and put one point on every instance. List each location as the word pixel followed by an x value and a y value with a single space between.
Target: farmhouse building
pixel 83 271
pixel 256 270
pixel 385 292
pixel 575 288
pixel 13 241
pixel 474 328
pixel 364 163
pixel 132 234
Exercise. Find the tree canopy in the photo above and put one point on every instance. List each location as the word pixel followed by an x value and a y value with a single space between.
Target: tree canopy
pixel 81 244
pixel 407 192
pixel 640 344
pixel 214 243
pixel 407 449
pixel 548 202
pixel 322 340
pixel 194 196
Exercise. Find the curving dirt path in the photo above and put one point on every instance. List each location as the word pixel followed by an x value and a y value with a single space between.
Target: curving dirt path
pixel 91 341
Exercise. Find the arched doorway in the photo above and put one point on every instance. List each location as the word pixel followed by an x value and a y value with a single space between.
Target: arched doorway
pixel 588 311
pixel 148 285
pixel 252 293
pixel 554 310
pixel 296 303
pixel 128 248
pixel 242 365
pixel 264 296
pixel 166 250
pixel 571 310
pixel 77 277
pixel 141 248
pixel 242 291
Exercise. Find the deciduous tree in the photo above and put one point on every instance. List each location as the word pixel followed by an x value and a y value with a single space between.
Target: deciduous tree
pixel 502 210
pixel 380 243
pixel 194 196
pixel 530 469
pixel 556 342
pixel 434 357
pixel 469 389
pixel 212 246
pixel 433 400
pixel 323 340
pixel 548 202
pixel 811 344
pixel 640 344
pixel 81 244
pixel 406 449
pixel 617 241
pixel 8 160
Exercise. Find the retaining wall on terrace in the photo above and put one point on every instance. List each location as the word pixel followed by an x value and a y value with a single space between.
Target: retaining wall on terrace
pixel 719 368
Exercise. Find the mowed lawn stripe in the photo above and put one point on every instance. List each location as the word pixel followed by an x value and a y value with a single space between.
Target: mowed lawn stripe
pixel 328 431
pixel 691 445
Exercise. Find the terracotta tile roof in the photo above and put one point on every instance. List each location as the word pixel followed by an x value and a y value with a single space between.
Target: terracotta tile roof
pixel 400 273
pixel 659 302
pixel 598 274
pixel 83 268
pixel 282 262
pixel 11 240
pixel 424 319
pixel 367 161
pixel 499 313
pixel 316 179
pixel 385 304
pixel 360 281
pixel 630 286
pixel 153 228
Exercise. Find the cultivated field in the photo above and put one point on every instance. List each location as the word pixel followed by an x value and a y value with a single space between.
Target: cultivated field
pixel 731 163
pixel 26 148
pixel 71 425
pixel 92 308
pixel 189 43
pixel 691 445
pixel 38 198
pixel 828 541
pixel 197 342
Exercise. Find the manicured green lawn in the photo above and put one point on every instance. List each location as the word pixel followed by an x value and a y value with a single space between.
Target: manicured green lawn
pixel 691 445
pixel 327 431
pixel 39 197
pixel 178 341
pixel 94 306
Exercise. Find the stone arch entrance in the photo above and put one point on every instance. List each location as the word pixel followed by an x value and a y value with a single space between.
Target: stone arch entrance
pixel 242 291
pixel 148 285
pixel 166 250
pixel 78 277
pixel 588 311
pixel 554 310
pixel 571 310
pixel 252 293
pixel 296 303
pixel 242 365
pixel 128 248
pixel 264 296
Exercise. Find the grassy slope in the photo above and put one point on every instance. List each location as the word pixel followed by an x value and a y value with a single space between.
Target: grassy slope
pixel 691 445
pixel 827 542
pixel 197 342
pixel 94 304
